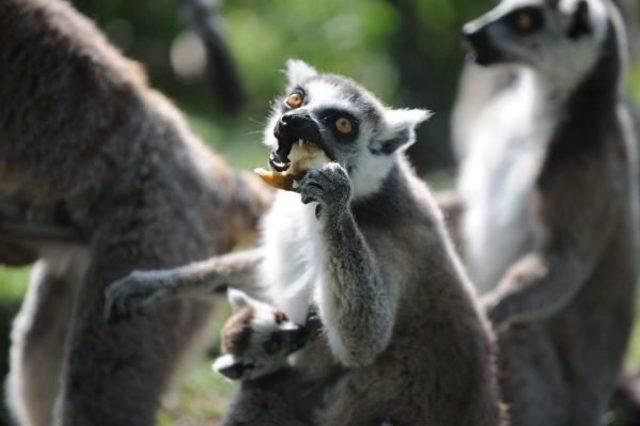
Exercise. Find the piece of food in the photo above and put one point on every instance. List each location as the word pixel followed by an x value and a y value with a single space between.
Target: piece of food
pixel 278 180
pixel 303 156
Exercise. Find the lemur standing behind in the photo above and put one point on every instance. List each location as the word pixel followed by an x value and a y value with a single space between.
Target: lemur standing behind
pixel 549 181
pixel 364 241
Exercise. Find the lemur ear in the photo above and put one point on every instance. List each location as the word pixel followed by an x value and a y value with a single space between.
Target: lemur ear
pixel 298 71
pixel 238 299
pixel 580 21
pixel 400 132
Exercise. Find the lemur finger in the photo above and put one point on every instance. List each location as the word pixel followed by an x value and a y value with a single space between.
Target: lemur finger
pixel 120 297
pixel 306 199
pixel 312 193
pixel 113 302
pixel 148 303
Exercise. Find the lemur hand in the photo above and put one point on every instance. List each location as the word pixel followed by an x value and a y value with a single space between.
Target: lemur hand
pixel 329 186
pixel 496 312
pixel 134 294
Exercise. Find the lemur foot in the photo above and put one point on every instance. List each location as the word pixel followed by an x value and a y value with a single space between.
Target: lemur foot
pixel 134 294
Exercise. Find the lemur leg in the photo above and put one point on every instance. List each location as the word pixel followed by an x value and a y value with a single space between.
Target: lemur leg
pixel 116 374
pixel 38 341
pixel 357 304
pixel 530 371
pixel 139 291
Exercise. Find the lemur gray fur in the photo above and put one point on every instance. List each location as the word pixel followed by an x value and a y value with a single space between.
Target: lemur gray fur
pixel 364 241
pixel 80 128
pixel 549 183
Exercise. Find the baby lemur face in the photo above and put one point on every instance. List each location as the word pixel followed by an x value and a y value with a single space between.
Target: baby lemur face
pixel 345 120
pixel 256 340
pixel 552 36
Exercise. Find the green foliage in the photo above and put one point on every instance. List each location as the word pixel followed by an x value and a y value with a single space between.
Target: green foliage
pixel 332 35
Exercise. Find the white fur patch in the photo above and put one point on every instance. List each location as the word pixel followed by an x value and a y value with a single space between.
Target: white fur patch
pixel 294 254
pixel 497 180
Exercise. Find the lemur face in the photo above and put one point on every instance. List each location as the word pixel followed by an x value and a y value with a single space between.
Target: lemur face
pixel 543 34
pixel 345 120
pixel 256 340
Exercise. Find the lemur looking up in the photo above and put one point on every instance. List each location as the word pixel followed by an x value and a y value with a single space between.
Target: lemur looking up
pixel 549 182
pixel 364 241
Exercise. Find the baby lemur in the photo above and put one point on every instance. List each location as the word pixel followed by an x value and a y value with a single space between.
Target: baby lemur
pixel 363 240
pixel 549 181
pixel 258 339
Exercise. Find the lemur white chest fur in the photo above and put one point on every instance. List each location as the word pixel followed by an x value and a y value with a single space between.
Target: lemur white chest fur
pixel 503 157
pixel 294 259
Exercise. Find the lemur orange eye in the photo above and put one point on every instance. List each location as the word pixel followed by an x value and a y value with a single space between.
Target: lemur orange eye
pixel 524 21
pixel 294 100
pixel 344 125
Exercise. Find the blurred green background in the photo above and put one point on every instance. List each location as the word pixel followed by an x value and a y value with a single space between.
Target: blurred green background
pixel 408 52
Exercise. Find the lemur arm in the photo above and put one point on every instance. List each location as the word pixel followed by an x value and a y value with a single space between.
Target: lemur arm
pixel 140 290
pixel 358 307
pixel 537 286
pixel 545 280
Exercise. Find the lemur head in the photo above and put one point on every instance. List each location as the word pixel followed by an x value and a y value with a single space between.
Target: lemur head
pixel 256 340
pixel 559 38
pixel 348 122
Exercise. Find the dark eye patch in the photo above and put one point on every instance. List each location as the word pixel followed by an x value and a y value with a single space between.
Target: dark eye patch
pixel 526 20
pixel 329 118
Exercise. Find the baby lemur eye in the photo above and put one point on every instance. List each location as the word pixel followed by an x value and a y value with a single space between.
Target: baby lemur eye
pixel 295 99
pixel 344 125
pixel 272 345
pixel 526 20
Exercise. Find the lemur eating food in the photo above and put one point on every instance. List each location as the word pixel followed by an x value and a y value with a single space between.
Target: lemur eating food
pixel 361 238
pixel 549 182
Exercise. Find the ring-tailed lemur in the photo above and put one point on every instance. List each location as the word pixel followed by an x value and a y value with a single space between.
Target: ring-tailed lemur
pixel 364 241
pixel 549 184
pixel 91 149
pixel 257 339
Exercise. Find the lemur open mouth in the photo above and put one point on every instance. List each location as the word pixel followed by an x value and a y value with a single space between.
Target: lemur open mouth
pixel 299 149
pixel 304 139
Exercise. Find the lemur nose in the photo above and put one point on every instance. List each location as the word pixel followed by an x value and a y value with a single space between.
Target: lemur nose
pixel 294 120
